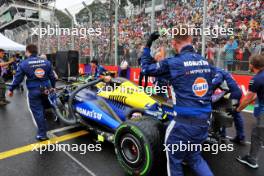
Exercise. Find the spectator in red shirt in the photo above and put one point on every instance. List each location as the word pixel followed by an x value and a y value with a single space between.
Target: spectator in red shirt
pixel 210 53
pixel 239 56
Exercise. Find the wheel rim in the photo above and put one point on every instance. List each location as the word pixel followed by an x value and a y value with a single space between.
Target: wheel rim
pixel 130 150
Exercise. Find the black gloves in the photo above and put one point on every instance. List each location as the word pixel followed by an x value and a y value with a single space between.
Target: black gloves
pixel 154 36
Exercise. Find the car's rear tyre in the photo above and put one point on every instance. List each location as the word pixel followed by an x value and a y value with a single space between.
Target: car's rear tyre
pixel 138 145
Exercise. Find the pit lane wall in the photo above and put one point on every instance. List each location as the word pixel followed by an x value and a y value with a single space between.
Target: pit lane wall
pixel 133 75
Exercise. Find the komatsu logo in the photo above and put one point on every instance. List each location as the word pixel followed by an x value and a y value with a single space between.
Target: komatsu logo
pixel 36 62
pixel 195 63
pixel 88 113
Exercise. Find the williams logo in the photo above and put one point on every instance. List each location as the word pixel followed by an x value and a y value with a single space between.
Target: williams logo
pixel 200 87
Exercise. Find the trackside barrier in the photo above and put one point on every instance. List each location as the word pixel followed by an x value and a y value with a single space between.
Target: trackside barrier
pixel 133 75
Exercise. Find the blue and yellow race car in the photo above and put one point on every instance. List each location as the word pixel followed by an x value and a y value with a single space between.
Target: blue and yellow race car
pixel 120 112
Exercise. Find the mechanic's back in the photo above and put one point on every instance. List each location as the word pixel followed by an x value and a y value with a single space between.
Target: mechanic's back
pixel 191 77
pixel 189 74
pixel 223 76
pixel 39 75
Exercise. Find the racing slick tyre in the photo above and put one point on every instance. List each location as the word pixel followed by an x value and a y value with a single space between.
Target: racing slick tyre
pixel 138 145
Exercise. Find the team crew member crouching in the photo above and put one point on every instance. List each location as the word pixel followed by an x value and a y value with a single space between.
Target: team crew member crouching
pixel 39 75
pixel 191 77
pixel 235 93
pixel 255 93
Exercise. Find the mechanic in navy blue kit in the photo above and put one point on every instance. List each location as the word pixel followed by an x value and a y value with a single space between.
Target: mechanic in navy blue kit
pixel 255 93
pixel 191 78
pixel 235 94
pixel 40 76
pixel 3 64
pixel 96 69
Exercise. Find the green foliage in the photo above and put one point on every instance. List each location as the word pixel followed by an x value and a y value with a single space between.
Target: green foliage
pixel 99 12
pixel 123 3
pixel 65 21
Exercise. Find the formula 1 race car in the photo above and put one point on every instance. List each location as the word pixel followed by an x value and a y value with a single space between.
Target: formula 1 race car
pixel 120 112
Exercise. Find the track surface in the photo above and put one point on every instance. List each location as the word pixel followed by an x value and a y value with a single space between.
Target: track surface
pixel 17 130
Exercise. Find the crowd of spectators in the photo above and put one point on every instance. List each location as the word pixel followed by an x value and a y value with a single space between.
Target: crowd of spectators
pixel 245 17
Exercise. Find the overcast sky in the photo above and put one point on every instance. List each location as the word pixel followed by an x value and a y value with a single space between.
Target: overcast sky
pixel 62 4
pixel 73 5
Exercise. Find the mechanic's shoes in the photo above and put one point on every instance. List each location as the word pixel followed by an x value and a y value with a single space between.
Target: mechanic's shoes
pixel 41 138
pixel 248 161
pixel 238 141
pixel 4 102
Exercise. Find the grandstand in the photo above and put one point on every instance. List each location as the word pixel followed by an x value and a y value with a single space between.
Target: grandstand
pixel 17 13
pixel 17 17
pixel 245 17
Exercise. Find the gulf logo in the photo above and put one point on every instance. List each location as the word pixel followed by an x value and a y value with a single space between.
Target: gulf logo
pixel 200 87
pixel 39 73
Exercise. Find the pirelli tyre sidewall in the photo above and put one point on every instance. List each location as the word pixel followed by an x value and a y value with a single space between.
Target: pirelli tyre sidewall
pixel 138 145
